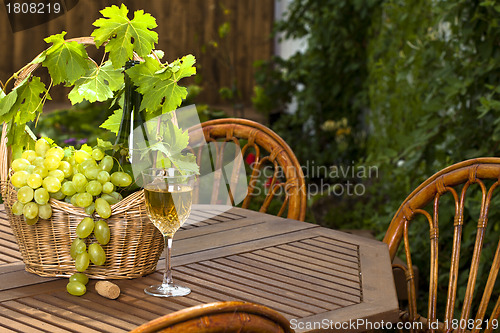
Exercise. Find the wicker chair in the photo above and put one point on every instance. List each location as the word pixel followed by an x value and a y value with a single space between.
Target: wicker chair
pixel 221 317
pixel 269 150
pixel 481 172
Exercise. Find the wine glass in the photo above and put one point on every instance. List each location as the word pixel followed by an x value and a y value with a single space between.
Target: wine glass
pixel 168 195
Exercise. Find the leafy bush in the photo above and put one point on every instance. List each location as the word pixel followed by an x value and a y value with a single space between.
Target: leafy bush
pixel 433 89
pixel 418 83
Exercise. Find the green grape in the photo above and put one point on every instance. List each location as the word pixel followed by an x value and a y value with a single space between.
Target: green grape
pixel 97 254
pixel 57 195
pixel 89 210
pixel 103 177
pixel 121 179
pixel 68 188
pixel 31 221
pixel 41 147
pixel 85 227
pixel 73 200
pixel 81 155
pixel 38 161
pixel 86 164
pixel 66 168
pixel 79 180
pixel 29 155
pixel 34 180
pixel 51 162
pixel 25 194
pixel 108 187
pixel 51 184
pixel 78 246
pixel 41 196
pixel 80 189
pixel 102 208
pixel 58 174
pixel 70 160
pixel 79 277
pixel 17 208
pixel 102 232
pixel 109 198
pixel 19 178
pixel 20 164
pixel 107 163
pixel 83 199
pixel 92 173
pixel 82 261
pixel 30 210
pixel 97 154
pixel 117 196
pixel 94 188
pixel 57 151
pixel 30 169
pixel 45 211
pixel 42 171
pixel 68 199
pixel 76 288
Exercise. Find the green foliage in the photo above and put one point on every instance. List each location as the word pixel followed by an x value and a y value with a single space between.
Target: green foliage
pixel 418 83
pixel 434 73
pixel 112 124
pixel 98 84
pixel 158 83
pixel 124 36
pixel 327 79
pixel 68 63
pixel 76 125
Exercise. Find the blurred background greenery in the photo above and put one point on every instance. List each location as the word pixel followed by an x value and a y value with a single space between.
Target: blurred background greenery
pixel 417 81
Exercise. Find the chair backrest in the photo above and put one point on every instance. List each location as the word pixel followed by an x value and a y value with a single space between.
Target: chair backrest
pixel 221 317
pixel 455 180
pixel 267 151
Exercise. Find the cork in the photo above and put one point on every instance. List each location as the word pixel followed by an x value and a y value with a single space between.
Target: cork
pixel 107 289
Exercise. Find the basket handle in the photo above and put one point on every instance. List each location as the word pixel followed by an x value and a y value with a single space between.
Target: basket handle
pixel 4 161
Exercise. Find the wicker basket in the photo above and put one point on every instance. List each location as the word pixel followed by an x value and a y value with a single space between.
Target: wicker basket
pixel 133 250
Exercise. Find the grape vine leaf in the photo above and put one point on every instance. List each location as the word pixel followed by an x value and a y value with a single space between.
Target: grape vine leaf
pixel 124 36
pixel 159 84
pixel 104 145
pixel 87 148
pixel 66 61
pixel 29 100
pixel 113 122
pixel 17 138
pixel 186 163
pixel 98 84
pixel 6 104
pixel 171 144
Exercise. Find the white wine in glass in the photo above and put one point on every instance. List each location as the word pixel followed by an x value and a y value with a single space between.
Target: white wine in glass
pixel 168 195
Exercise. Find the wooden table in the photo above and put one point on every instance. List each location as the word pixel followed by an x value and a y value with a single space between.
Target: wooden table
pixel 312 275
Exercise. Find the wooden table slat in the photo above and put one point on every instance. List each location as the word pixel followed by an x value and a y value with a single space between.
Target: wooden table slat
pixel 314 290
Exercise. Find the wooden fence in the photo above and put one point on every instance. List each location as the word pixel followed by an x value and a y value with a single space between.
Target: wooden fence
pixel 184 26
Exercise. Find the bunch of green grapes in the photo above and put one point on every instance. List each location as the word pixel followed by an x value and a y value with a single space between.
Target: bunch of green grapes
pixel 83 178
pixel 83 256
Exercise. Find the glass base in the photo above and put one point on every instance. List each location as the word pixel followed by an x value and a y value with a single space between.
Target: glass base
pixel 167 290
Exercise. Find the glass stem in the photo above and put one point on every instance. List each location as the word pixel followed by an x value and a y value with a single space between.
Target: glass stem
pixel 167 275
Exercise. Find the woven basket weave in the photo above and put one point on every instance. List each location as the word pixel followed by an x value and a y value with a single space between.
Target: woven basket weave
pixel 133 250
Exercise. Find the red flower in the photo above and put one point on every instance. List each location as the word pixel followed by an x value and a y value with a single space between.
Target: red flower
pixel 268 182
pixel 250 159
